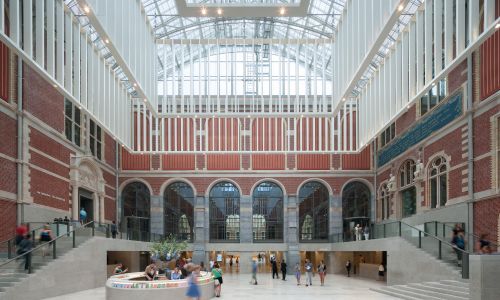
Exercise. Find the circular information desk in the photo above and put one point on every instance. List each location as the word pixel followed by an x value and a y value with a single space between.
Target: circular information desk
pixel 133 286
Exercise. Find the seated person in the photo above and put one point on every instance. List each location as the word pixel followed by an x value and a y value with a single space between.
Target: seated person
pixel 119 269
pixel 150 272
pixel 176 274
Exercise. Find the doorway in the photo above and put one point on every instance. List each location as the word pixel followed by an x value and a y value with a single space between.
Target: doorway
pixel 228 261
pixel 87 203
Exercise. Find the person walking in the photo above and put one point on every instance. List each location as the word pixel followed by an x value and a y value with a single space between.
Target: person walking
pixel 45 238
pixel 114 230
pixel 309 269
pixel 21 231
pixel 297 273
pixel 274 267
pixel 83 216
pixel 348 268
pixel 458 243
pixel 193 290
pixel 283 269
pixel 322 272
pixel 254 273
pixel 24 247
pixel 217 273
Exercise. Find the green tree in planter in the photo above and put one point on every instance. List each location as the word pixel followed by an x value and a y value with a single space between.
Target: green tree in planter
pixel 168 249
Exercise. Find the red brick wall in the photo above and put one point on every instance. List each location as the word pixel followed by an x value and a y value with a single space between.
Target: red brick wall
pixel 178 162
pixel 223 161
pixel 48 146
pixel 486 214
pixel 361 161
pixel 109 150
pixel 482 132
pixel 9 217
pixel 48 164
pixel 490 66
pixel 8 135
pixel 313 162
pixel 8 179
pixel 268 161
pixel 49 190
pixel 42 100
pixel 109 209
pixel 457 77
pixel 406 120
pixel 135 161
pixel 482 174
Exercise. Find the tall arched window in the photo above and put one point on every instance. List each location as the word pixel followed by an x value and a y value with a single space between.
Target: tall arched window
pixel 385 202
pixel 438 174
pixel 407 188
pixel 355 207
pixel 224 212
pixel 313 212
pixel 136 210
pixel 178 200
pixel 267 212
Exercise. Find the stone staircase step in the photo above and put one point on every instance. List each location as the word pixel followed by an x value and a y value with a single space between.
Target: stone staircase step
pixel 442 294
pixel 453 289
pixel 401 289
pixel 455 283
pixel 393 293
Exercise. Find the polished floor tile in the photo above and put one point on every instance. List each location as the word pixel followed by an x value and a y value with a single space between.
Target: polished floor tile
pixel 237 286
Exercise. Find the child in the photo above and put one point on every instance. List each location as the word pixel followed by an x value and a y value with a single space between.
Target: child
pixel 297 273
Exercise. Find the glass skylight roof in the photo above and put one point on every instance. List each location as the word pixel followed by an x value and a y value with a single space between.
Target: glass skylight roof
pixel 241 2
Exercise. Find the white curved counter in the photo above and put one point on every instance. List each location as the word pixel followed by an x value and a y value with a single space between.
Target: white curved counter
pixel 133 286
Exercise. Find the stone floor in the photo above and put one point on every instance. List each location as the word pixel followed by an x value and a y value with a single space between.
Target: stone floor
pixel 236 286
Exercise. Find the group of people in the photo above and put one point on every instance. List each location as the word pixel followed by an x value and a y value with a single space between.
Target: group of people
pixel 25 242
pixel 360 232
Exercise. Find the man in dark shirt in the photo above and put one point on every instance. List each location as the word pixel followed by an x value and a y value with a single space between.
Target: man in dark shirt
pixel 25 246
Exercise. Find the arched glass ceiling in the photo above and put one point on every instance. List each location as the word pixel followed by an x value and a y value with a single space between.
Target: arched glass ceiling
pixel 320 22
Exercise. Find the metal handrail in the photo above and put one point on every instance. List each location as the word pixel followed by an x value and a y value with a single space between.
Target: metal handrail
pixel 467 233
pixel 464 254
pixel 10 242
pixel 53 242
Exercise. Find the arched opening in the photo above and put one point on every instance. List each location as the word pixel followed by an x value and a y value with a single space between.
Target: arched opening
pixel 178 210
pixel 355 207
pixel 136 200
pixel 224 211
pixel 438 182
pixel 267 211
pixel 313 212
pixel 407 188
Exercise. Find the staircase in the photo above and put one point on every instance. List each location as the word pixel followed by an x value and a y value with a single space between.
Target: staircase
pixel 12 272
pixel 444 289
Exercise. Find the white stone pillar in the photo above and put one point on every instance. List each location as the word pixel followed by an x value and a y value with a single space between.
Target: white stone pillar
pixel 101 209
pixel 95 206
pixel 75 215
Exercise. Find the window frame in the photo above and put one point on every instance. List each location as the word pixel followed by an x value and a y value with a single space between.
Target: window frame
pixel 93 142
pixel 74 123
pixel 437 177
pixel 440 89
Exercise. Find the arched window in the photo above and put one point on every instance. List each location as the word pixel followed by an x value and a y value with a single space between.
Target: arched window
pixel 313 212
pixel 355 207
pixel 178 210
pixel 438 173
pixel 385 202
pixel 407 173
pixel 224 211
pixel 267 212
pixel 136 210
pixel 407 188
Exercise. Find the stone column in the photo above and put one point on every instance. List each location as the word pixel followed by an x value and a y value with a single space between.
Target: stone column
pixel 75 214
pixel 156 218
pixel 96 205
pixel 336 223
pixel 246 220
pixel 291 217
pixel 102 216
pixel 199 231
